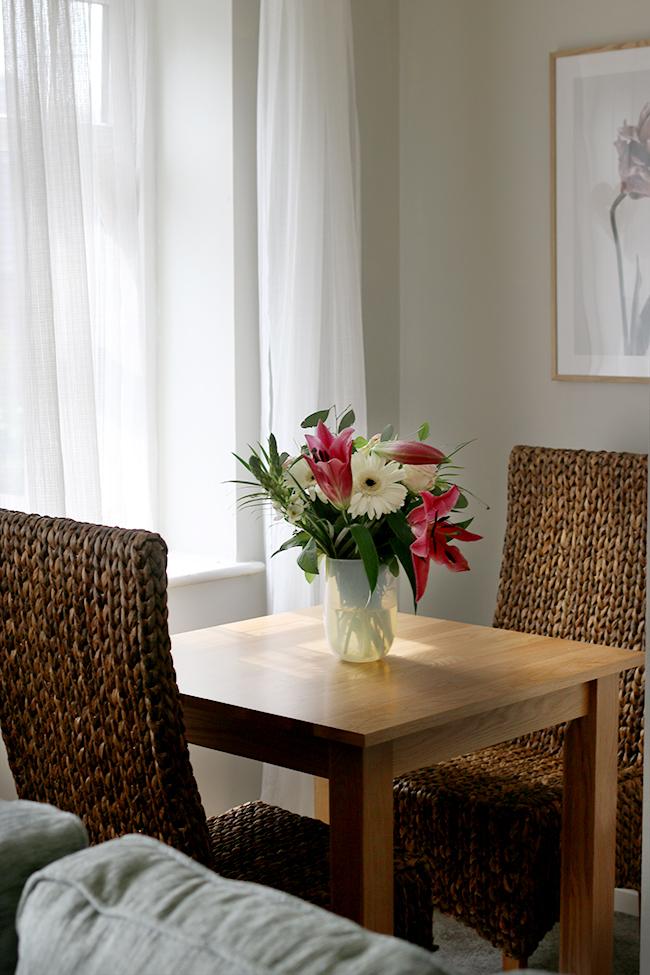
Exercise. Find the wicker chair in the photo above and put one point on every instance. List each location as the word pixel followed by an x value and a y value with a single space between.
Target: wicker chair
pixel 91 715
pixel 573 567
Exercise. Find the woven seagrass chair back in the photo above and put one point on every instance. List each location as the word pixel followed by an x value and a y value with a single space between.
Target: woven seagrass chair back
pixel 89 707
pixel 574 563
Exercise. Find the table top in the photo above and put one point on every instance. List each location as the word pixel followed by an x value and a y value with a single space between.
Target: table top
pixel 436 672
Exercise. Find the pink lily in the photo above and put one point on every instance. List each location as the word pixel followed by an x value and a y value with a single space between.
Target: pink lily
pixel 433 533
pixel 330 463
pixel 408 451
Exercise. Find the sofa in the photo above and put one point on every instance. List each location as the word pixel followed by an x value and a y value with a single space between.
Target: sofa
pixel 132 906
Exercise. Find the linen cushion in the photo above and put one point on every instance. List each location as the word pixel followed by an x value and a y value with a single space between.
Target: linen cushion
pixel 133 906
pixel 32 834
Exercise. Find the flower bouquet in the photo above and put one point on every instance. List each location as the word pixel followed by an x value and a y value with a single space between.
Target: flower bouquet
pixel 380 503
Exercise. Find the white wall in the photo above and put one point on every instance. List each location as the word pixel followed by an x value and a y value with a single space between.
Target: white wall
pixel 205 96
pixel 475 254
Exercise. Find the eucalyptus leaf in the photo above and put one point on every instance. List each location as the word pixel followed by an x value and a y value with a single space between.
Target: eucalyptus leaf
pixel 308 558
pixel 423 432
pixel 368 553
pixel 313 418
pixel 346 421
pixel 461 503
pixel 359 442
pixel 387 433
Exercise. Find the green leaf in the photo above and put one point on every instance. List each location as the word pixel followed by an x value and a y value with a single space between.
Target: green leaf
pixel 368 553
pixel 400 527
pixel 296 541
pixel 274 455
pixel 313 418
pixel 393 565
pixel 310 576
pixel 359 442
pixel 242 461
pixel 347 421
pixel 423 432
pixel 387 433
pixel 403 553
pixel 256 467
pixel 461 503
pixel 464 524
pixel 308 558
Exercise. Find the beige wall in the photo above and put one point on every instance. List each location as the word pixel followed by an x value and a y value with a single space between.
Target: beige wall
pixel 376 53
pixel 475 255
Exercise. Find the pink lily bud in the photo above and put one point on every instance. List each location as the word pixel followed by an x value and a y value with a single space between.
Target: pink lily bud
pixel 408 452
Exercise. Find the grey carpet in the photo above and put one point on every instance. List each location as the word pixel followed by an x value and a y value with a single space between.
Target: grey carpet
pixel 462 947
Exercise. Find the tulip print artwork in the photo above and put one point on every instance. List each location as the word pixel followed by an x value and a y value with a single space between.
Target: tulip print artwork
pixel 633 147
pixel 601 213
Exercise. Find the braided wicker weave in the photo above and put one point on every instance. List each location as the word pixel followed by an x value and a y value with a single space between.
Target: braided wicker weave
pixel 91 715
pixel 488 824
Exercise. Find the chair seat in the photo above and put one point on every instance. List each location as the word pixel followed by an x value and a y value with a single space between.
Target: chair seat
pixel 243 837
pixel 491 822
pixel 573 568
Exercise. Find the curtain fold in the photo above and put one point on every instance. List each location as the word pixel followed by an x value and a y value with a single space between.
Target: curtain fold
pixel 73 322
pixel 311 341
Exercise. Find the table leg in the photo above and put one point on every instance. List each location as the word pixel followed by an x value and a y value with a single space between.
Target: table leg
pixel 361 834
pixel 589 835
pixel 321 799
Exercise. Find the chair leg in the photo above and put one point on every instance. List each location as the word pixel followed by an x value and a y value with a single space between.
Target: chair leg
pixel 513 964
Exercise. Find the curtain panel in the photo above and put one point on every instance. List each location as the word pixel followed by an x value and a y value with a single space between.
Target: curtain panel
pixel 311 341
pixel 74 406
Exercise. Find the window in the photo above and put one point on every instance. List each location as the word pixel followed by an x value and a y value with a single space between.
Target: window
pixel 73 413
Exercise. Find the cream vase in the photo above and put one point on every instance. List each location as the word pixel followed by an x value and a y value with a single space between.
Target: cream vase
pixel 360 626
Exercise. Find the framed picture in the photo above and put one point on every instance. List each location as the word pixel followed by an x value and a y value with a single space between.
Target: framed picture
pixel 600 134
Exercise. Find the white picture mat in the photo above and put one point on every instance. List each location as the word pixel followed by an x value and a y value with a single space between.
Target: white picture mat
pixel 595 95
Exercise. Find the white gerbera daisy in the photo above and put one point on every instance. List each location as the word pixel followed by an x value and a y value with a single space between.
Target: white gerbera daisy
pixel 376 488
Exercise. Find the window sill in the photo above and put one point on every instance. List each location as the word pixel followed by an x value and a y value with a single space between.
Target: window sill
pixel 188 569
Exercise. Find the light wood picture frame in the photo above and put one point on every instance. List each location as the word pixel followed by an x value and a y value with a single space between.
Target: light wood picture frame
pixel 600 213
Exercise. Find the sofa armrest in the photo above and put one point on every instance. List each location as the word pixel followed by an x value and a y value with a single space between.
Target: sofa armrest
pixel 133 906
pixel 32 835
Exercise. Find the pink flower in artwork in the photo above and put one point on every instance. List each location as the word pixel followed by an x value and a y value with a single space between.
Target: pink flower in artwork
pixel 633 147
pixel 433 535
pixel 330 463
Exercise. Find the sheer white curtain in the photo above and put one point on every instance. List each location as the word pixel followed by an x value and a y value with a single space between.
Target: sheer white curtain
pixel 71 323
pixel 309 257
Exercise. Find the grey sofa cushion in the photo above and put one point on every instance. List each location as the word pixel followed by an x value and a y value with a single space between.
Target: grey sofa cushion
pixel 32 835
pixel 133 906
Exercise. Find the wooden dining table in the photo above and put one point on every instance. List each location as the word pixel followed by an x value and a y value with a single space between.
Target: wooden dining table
pixel 271 689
